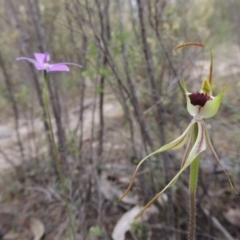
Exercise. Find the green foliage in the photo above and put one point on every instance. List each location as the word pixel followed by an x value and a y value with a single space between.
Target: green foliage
pixel 95 230
pixel 140 231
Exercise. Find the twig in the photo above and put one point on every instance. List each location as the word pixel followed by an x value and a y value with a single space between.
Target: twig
pixel 218 225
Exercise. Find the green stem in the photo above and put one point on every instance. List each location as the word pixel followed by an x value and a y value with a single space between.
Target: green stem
pixel 192 191
pixel 56 153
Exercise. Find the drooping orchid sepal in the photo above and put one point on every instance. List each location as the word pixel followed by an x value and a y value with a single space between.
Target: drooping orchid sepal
pixel 176 144
pixel 209 143
pixel 191 152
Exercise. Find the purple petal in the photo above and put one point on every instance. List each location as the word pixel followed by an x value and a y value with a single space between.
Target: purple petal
pixel 28 59
pixel 40 67
pixel 68 63
pixel 35 62
pixel 40 57
pixel 58 67
pixel 47 57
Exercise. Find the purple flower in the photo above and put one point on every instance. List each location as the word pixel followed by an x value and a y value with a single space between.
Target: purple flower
pixel 41 62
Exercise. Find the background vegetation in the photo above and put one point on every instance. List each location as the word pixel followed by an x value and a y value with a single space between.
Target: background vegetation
pixel 123 103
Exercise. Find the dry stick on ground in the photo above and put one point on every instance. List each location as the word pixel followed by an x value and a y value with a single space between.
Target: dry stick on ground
pixel 218 225
pixel 7 79
pixel 25 51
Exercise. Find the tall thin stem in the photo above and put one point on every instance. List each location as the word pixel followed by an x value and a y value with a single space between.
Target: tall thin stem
pixel 56 153
pixel 192 191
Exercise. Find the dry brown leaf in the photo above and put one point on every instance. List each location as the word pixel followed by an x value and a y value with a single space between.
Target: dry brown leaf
pixel 11 236
pixel 110 192
pixel 124 223
pixel 37 228
pixel 233 216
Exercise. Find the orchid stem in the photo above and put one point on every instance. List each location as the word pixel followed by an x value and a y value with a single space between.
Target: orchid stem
pixel 192 191
pixel 56 153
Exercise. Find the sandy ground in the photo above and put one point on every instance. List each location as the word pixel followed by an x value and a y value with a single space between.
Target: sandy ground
pixel 33 137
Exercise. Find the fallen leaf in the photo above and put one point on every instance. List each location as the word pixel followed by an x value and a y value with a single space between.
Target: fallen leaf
pixel 111 192
pixel 37 228
pixel 124 223
pixel 11 236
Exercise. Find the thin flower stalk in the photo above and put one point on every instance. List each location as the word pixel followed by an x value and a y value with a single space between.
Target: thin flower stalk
pixel 193 180
pixel 41 62
pixel 56 153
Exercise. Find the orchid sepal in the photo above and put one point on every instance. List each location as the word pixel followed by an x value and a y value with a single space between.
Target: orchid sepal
pixel 175 144
pixel 209 143
pixel 206 87
pixel 191 152
pixel 198 147
pixel 211 107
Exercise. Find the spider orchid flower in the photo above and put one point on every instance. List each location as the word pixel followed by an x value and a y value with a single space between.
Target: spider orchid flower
pixel 41 62
pixel 200 105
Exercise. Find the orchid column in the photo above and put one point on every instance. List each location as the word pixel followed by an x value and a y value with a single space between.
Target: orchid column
pixel 41 62
pixel 200 105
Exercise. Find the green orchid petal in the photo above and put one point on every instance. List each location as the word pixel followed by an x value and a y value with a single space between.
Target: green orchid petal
pixel 184 86
pixel 211 107
pixel 206 87
pixel 177 143
pixel 216 157
pixel 198 147
pixel 193 110
pixel 188 148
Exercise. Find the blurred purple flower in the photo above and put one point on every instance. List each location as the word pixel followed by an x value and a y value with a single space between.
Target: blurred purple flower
pixel 41 62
